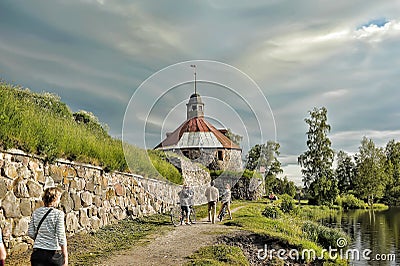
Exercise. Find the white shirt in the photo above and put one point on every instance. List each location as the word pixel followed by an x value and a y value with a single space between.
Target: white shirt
pixel 51 235
pixel 212 194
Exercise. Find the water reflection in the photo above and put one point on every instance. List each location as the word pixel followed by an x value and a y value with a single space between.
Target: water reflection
pixel 378 231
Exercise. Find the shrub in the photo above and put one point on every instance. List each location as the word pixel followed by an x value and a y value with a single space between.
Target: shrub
pixel 325 236
pixel 272 211
pixel 287 203
pixel 349 201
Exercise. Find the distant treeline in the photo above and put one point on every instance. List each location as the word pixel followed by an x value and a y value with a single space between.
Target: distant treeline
pixel 41 124
pixel 372 174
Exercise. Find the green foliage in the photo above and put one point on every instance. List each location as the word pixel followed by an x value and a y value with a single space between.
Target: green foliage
pixel 313 213
pixel 349 201
pixel 218 255
pixel 235 138
pixel 272 211
pixel 325 236
pixel 279 186
pixel 43 125
pixel 90 120
pixel 264 155
pixel 392 165
pixel 245 174
pixel 287 203
pixel 345 171
pixel 318 159
pixel 287 229
pixel 371 178
pixel 164 168
pixel 323 191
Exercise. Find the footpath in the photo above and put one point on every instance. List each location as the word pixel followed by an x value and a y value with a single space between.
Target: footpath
pixel 172 248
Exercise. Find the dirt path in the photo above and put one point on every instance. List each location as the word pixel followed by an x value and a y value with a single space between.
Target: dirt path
pixel 172 248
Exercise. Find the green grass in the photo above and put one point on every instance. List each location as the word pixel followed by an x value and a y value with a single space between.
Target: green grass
pixel 43 125
pixel 218 255
pixel 289 229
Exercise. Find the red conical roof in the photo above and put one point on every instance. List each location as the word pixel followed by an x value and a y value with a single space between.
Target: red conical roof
pixel 196 132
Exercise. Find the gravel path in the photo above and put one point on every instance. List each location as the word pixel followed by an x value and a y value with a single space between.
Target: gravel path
pixel 172 248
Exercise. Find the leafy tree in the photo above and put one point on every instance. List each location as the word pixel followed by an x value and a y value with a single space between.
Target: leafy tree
pixel 392 151
pixel 371 178
pixel 288 187
pixel 235 138
pixel 317 160
pixel 265 156
pixel 279 186
pixel 91 121
pixel 345 171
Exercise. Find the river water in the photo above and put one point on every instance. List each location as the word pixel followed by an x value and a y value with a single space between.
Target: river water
pixel 375 236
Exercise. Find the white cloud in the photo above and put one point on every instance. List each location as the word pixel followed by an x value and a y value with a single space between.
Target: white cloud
pixel 336 93
pixel 293 173
pixel 374 33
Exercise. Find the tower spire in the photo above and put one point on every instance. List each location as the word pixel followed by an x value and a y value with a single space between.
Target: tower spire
pixel 195 88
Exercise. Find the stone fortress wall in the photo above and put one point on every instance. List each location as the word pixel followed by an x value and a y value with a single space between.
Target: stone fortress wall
pixel 91 197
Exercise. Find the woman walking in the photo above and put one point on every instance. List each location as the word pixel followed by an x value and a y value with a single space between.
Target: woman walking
pixel 226 202
pixel 47 229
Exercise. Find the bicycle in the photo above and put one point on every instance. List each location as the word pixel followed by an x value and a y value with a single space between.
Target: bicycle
pixel 176 215
pixel 222 214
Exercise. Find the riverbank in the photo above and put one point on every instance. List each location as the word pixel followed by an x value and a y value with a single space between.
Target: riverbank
pixel 237 240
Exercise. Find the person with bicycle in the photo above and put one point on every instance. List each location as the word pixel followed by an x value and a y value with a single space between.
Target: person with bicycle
pixel 226 203
pixel 212 195
pixel 185 199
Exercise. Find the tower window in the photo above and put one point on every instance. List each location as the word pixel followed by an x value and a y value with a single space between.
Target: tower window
pixel 194 107
pixel 220 155
pixel 200 108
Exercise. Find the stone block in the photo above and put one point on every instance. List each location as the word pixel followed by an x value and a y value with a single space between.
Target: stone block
pixel 81 171
pixel 98 202
pixel 10 170
pixel 95 223
pixel 66 202
pixel 35 190
pixel 89 185
pixel 20 189
pixel 71 222
pixel 119 189
pixel 83 218
pixel 92 212
pixel 98 190
pixel 87 199
pixel 21 226
pixel 77 201
pixel 56 173
pixel 3 187
pixel 26 207
pixel 81 183
pixel 10 206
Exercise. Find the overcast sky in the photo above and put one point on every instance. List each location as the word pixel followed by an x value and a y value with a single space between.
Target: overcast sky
pixel 95 55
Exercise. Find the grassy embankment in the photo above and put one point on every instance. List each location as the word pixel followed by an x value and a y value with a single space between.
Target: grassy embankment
pixel 297 229
pixel 43 125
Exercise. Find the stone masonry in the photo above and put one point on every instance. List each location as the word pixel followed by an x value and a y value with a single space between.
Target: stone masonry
pixel 91 197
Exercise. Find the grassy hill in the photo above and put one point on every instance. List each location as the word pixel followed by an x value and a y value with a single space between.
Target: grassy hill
pixel 41 124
